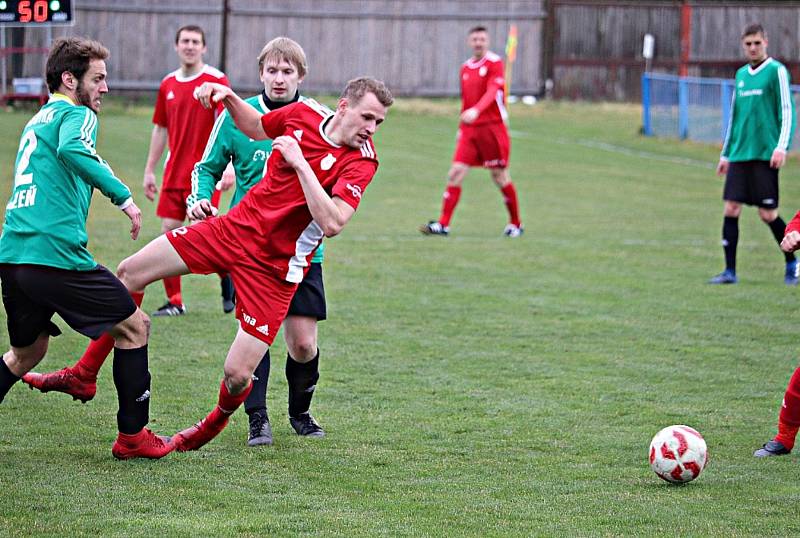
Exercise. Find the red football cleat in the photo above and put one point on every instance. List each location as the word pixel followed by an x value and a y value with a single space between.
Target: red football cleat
pixel 64 380
pixel 144 444
pixel 198 435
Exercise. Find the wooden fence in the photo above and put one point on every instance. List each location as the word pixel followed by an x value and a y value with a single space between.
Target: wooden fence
pixel 416 46
pixel 588 49
pixel 594 48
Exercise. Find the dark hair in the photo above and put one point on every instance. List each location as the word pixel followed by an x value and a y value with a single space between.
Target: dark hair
pixel 475 29
pixel 71 54
pixel 753 29
pixel 190 28
pixel 358 87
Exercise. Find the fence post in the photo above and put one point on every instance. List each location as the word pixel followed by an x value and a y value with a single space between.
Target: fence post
pixel 646 127
pixel 683 108
pixel 726 95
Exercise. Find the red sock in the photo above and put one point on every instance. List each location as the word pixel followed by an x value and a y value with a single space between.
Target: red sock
pixel 216 197
pixel 227 402
pixel 98 350
pixel 172 285
pixel 510 198
pixel 789 417
pixel 449 202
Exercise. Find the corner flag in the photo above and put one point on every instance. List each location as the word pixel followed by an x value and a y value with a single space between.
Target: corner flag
pixel 511 55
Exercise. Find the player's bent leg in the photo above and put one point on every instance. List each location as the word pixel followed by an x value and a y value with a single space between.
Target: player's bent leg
pixel 300 333
pixel 777 226
pixel 172 284
pixel 302 373
pixel 730 241
pixel 18 361
pixel 502 179
pixel 132 381
pixel 243 357
pixel 156 260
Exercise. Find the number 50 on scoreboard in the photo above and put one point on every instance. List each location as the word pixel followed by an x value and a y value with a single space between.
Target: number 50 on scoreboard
pixel 35 12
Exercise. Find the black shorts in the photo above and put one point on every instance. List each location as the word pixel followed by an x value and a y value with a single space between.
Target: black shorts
pixel 91 302
pixel 309 299
pixel 752 183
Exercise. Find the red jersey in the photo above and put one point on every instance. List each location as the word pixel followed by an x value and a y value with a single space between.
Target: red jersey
pixel 188 124
pixel 273 222
pixel 483 87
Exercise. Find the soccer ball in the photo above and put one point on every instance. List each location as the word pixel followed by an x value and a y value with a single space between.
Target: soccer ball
pixel 678 454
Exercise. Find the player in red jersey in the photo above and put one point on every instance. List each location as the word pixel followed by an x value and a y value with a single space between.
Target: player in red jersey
pixel 314 183
pixel 482 138
pixel 181 122
pixel 789 416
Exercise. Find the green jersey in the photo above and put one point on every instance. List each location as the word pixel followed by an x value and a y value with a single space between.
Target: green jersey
pixel 249 157
pixel 762 113
pixel 56 171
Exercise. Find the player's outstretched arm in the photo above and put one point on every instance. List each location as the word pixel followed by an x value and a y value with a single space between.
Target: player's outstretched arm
pixel 246 118
pixel 158 142
pixel 331 214
pixel 76 149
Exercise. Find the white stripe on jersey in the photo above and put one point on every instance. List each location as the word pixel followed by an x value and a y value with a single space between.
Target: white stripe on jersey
pixel 89 126
pixel 195 176
pixel 304 245
pixel 367 150
pixel 786 109
pixel 499 100
pixel 320 109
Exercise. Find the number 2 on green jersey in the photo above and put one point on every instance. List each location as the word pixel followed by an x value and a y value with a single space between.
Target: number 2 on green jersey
pixel 26 147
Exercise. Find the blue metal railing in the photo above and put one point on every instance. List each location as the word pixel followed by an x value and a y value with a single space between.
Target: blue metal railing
pixel 689 107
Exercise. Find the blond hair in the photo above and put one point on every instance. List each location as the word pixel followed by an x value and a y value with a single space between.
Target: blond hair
pixel 283 49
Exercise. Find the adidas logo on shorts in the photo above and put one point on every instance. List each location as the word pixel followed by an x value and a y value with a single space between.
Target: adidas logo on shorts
pixel 263 329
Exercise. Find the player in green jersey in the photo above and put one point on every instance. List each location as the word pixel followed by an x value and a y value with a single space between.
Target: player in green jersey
pixel 759 133
pixel 281 67
pixel 45 267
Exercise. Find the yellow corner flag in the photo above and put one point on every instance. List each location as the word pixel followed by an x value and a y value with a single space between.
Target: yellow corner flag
pixel 511 55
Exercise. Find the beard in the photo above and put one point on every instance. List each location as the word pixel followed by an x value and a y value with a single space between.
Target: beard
pixel 84 98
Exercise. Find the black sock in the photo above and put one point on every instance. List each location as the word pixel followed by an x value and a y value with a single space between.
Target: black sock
pixel 730 238
pixel 132 380
pixel 257 399
pixel 778 229
pixel 302 378
pixel 7 379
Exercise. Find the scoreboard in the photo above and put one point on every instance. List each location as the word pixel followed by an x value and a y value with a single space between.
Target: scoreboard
pixel 35 12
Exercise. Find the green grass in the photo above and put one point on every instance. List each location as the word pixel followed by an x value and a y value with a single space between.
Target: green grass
pixel 471 386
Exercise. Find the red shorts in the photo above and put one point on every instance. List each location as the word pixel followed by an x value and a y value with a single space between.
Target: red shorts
pixel 262 296
pixel 484 145
pixel 172 203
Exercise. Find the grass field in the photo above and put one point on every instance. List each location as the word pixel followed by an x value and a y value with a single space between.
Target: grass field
pixel 471 386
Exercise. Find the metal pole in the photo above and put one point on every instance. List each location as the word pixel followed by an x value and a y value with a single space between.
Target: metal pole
pixel 4 67
pixel 224 36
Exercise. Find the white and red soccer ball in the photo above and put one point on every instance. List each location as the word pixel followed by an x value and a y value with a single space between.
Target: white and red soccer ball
pixel 678 454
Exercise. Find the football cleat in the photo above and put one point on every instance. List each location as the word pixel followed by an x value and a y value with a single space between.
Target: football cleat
pixel 771 448
pixel 198 435
pixel 64 380
pixel 434 228
pixel 791 278
pixel 260 430
pixel 725 277
pixel 512 230
pixel 305 425
pixel 144 444
pixel 170 309
pixel 228 294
